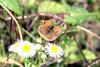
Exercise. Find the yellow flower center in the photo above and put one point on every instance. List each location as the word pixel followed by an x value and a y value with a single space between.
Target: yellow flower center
pixel 26 48
pixel 54 48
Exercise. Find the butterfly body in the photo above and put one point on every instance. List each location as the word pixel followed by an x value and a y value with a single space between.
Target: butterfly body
pixel 50 29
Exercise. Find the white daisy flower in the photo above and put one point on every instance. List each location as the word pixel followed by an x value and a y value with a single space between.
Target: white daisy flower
pixel 13 47
pixel 53 50
pixel 26 49
pixel 23 48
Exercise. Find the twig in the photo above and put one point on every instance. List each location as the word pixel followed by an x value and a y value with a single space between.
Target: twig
pixel 81 51
pixel 28 33
pixel 35 14
pixel 33 22
pixel 94 62
pixel 20 17
pixel 10 61
pixel 88 31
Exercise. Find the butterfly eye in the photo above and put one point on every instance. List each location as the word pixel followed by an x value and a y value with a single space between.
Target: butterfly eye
pixel 56 29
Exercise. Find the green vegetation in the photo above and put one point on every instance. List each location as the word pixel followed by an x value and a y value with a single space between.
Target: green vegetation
pixel 20 20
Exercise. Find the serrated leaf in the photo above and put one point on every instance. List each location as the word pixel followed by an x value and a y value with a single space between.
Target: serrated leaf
pixel 12 5
pixel 70 20
pixel 77 15
pixel 51 7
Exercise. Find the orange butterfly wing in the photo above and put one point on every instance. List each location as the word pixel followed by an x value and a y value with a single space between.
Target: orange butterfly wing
pixel 43 28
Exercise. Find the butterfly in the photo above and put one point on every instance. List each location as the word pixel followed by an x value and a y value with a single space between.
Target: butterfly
pixel 48 31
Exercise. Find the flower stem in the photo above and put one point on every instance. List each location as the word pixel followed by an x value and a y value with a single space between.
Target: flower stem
pixel 13 19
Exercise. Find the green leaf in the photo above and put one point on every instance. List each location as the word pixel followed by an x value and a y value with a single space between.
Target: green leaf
pixel 90 1
pixel 29 3
pixel 89 55
pixel 95 16
pixel 71 48
pixel 70 20
pixel 74 58
pixel 51 7
pixel 76 15
pixel 12 5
